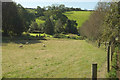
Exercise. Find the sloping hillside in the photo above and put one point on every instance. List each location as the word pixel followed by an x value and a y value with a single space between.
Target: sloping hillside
pixel 79 16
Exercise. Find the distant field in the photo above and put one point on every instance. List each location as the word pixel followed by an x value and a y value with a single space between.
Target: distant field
pixel 61 58
pixel 39 21
pixel 79 16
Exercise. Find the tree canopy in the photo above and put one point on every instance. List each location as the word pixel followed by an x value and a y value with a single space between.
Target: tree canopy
pixel 104 23
pixel 15 19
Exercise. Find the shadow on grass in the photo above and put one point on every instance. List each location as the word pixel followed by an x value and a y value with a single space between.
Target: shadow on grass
pixel 23 39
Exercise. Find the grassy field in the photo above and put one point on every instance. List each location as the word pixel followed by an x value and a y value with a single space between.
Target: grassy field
pixel 61 58
pixel 79 16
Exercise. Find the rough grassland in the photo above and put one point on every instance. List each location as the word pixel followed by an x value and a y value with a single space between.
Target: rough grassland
pixel 79 16
pixel 61 58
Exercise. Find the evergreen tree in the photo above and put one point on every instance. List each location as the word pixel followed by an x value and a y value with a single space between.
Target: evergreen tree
pixel 59 26
pixel 12 23
pixel 49 27
pixel 39 11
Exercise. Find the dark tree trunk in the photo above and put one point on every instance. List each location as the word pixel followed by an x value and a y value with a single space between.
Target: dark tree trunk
pixel 99 44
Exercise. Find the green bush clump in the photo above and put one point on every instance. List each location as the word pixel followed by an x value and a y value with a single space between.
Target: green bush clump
pixel 56 36
pixel 80 38
pixel 60 36
pixel 68 36
pixel 112 73
pixel 77 37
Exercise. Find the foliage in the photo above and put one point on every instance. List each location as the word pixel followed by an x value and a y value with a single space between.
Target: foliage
pixel 59 26
pixel 15 19
pixel 12 22
pixel 57 22
pixel 103 24
pixel 39 11
pixel 113 73
pixel 33 27
pixel 111 23
pixel 50 19
pixel 25 16
pixel 49 27
pixel 59 36
pixel 31 10
pixel 69 36
pixel 92 27
pixel 71 27
pixel 62 8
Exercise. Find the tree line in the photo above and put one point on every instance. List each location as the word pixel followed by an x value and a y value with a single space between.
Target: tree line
pixel 17 19
pixel 55 22
pixel 103 24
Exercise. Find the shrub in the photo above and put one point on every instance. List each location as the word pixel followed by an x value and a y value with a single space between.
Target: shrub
pixel 80 38
pixel 68 36
pixel 56 36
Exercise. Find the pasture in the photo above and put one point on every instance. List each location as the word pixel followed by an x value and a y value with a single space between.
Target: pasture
pixel 61 58
pixel 79 16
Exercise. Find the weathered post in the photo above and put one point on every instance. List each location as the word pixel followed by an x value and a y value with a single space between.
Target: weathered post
pixel 94 71
pixel 108 59
pixel 112 50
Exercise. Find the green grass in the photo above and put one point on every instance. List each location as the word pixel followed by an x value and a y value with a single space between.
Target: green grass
pixel 39 21
pixel 79 16
pixel 61 58
pixel 35 34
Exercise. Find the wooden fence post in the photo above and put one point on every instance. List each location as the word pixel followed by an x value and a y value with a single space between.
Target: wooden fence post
pixel 108 59
pixel 112 50
pixel 94 71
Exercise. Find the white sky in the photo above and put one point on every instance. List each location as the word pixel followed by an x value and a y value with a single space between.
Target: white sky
pixel 56 0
